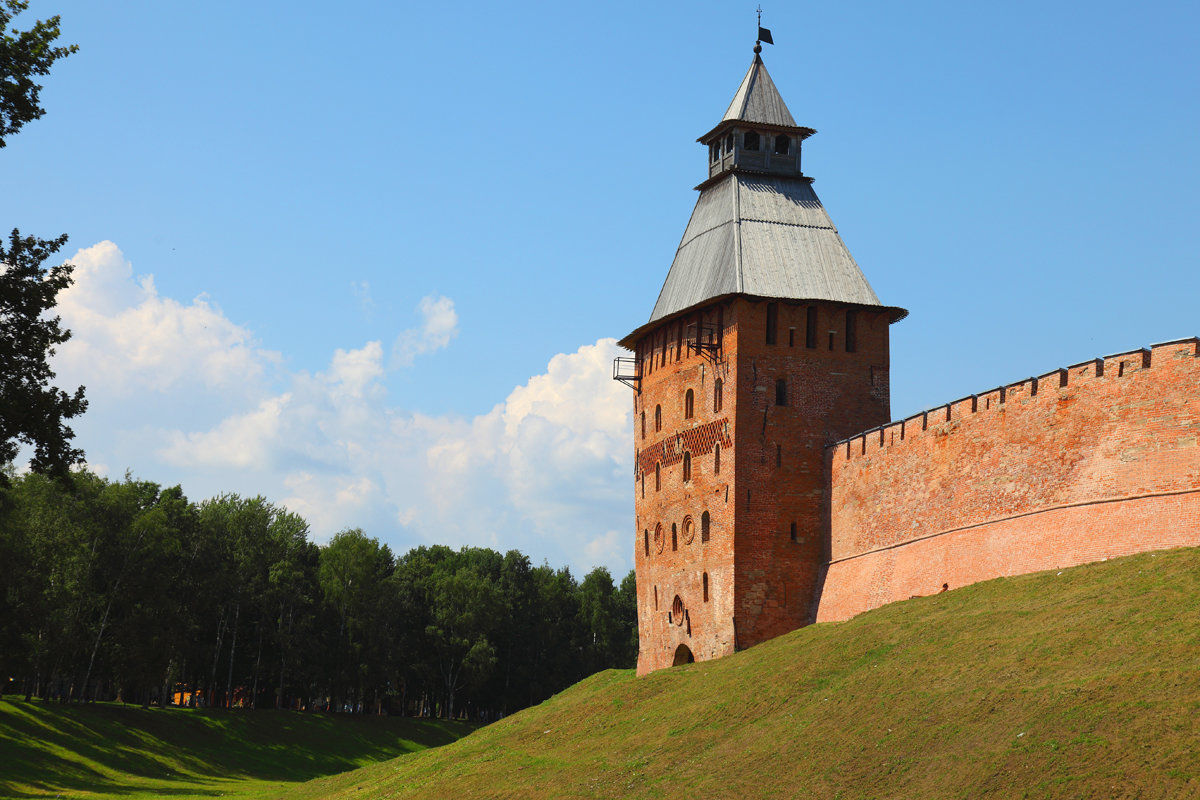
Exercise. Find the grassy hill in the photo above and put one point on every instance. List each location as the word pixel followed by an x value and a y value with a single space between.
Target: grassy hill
pixel 108 749
pixel 1079 684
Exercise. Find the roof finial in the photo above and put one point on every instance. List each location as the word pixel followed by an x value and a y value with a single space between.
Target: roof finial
pixel 764 34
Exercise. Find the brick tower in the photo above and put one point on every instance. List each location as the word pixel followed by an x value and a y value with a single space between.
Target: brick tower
pixel 766 344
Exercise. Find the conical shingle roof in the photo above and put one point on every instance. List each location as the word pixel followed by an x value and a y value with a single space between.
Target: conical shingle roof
pixel 757 100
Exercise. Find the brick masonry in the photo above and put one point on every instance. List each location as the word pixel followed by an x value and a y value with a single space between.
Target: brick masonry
pixel 1096 460
pixel 761 580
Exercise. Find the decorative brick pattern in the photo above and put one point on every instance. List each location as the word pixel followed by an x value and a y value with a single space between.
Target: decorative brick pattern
pixel 698 441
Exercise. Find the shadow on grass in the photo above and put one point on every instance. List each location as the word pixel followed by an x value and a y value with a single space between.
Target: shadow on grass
pixel 129 750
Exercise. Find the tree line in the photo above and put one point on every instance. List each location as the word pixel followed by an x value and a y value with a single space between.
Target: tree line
pixel 127 590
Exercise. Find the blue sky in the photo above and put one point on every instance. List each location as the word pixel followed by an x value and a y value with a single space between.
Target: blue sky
pixel 367 259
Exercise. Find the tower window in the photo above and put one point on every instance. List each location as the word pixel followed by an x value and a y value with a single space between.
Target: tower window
pixel 715 150
pixel 643 424
pixel 657 419
pixel 772 322
pixel 729 143
pixel 810 328
pixel 718 401
pixel 750 140
pixel 674 536
pixel 783 144
pixel 717 460
pixel 704 582
pixel 646 542
pixel 705 521
pixel 793 531
pixel 657 476
pixel 779 455
pixel 689 404
pixel 851 331
pixel 643 486
pixel 781 392
pixel 687 467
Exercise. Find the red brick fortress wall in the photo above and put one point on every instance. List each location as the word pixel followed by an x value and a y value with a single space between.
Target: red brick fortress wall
pixel 1096 460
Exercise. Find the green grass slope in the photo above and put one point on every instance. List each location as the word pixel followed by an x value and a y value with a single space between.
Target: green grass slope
pixel 1079 684
pixel 107 749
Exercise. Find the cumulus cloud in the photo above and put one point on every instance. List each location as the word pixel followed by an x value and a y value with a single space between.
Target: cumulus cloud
pixel 131 339
pixel 240 441
pixel 547 469
pixel 439 326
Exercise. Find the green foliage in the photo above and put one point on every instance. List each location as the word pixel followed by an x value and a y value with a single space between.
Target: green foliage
pixel 125 589
pixel 24 55
pixel 1079 684
pixel 32 411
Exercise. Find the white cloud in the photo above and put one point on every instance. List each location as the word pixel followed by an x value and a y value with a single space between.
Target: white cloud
pixel 241 441
pixel 439 327
pixel 547 470
pixel 131 339
pixel 352 372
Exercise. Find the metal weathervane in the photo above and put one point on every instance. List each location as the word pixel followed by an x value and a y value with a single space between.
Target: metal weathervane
pixel 764 34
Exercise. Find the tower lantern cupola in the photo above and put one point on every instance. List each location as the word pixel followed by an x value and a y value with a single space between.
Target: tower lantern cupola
pixel 757 133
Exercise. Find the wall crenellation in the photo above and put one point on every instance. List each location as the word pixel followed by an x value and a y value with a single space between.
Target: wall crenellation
pixel 941 420
pixel 1091 461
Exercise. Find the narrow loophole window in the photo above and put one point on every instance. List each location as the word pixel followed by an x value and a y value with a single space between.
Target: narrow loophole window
pixel 704 581
pixel 687 467
pixel 717 460
pixel 657 419
pixel 674 536
pixel 643 424
pixel 689 404
pixel 657 476
pixel 781 392
pixel 793 532
pixel 718 400
pixel 646 542
pixel 705 522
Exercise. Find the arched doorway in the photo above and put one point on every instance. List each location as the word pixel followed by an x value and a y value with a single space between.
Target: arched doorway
pixel 683 655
